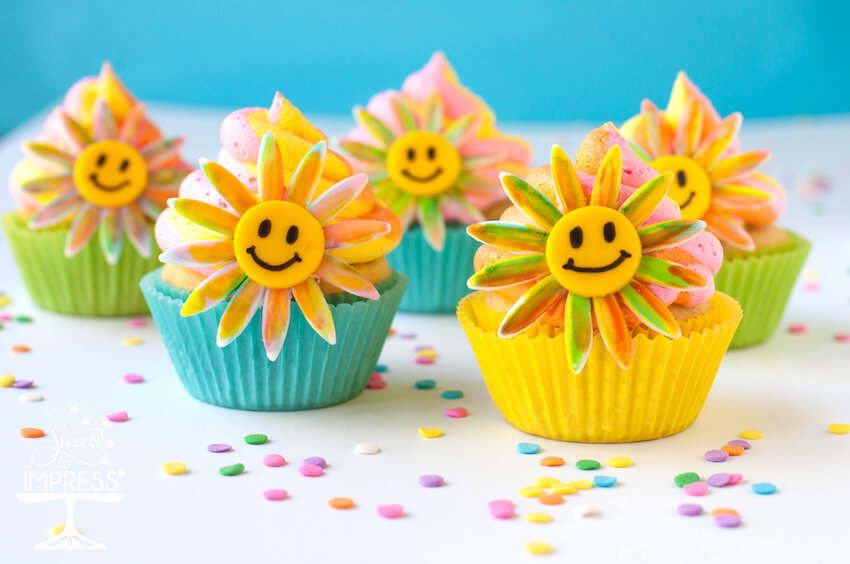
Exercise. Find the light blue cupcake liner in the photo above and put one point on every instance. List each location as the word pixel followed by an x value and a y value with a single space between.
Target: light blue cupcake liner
pixel 437 279
pixel 309 373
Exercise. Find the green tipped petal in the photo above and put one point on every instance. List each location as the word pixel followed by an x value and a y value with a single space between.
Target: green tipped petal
pixel 531 201
pixel 509 272
pixel 509 236
pixel 578 330
pixel 669 233
pixel 654 270
pixel 374 126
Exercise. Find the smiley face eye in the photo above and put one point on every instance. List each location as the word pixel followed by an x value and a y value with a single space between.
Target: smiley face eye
pixel 124 164
pixel 681 179
pixel 292 234
pixel 576 237
pixel 432 153
pixel 609 232
pixel 101 159
pixel 265 228
pixel 411 154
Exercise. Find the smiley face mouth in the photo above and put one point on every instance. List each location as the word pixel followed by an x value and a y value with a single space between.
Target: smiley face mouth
pixel 571 264
pixel 423 179
pixel 273 267
pixel 96 182
pixel 688 201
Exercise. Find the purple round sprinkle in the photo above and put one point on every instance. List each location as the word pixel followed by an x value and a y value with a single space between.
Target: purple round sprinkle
pixel 316 461
pixel 690 509
pixel 726 520
pixel 716 455
pixel 741 443
pixel 423 348
pixel 407 335
pixel 431 481
pixel 719 480
pixel 22 384
pixel 218 447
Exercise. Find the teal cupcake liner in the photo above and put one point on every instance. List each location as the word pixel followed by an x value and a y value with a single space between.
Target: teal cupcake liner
pixel 437 279
pixel 308 374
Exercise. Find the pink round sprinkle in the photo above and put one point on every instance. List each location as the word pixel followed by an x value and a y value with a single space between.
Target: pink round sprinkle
pixel 696 488
pixel 376 384
pixel 390 511
pixel 726 520
pixel 843 337
pixel 311 470
pixel 690 509
pixel 138 322
pixel 716 455
pixel 811 286
pixel 741 443
pixel 274 460
pixel 5 317
pixel 133 378
pixel 719 480
pixel 22 384
pixel 219 447
pixel 275 495
pixel 797 328
pixel 424 360
pixel 456 412
pixel 734 479
pixel 431 481
pixel 501 508
pixel 316 461
pixel 119 417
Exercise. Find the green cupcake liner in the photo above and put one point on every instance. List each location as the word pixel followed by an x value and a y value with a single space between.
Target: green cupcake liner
pixel 437 279
pixel 84 284
pixel 308 374
pixel 762 283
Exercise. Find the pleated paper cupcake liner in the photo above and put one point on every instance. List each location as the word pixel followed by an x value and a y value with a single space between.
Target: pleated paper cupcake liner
pixel 660 394
pixel 437 279
pixel 308 374
pixel 762 284
pixel 84 284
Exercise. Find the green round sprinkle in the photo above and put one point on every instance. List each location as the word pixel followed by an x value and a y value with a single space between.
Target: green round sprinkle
pixel 587 464
pixel 257 439
pixel 686 478
pixel 425 384
pixel 452 394
pixel 23 319
pixel 232 470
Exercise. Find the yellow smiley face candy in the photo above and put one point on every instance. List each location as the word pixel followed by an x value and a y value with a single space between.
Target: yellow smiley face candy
pixel 423 163
pixel 110 174
pixel 691 187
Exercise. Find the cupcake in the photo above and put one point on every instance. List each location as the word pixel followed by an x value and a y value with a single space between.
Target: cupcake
pixel 275 294
pixel 596 318
pixel 433 153
pixel 716 182
pixel 88 191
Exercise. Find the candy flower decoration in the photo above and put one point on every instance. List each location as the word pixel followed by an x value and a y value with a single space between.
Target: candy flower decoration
pixel 108 182
pixel 589 257
pixel 424 168
pixel 274 247
pixel 713 181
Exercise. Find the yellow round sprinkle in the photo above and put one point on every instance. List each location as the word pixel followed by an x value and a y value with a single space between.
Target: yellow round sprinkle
pixel 427 353
pixel 538 547
pixel 56 530
pixel 430 432
pixel 839 428
pixel 545 482
pixel 174 468
pixel 563 489
pixel 581 484
pixel 531 491
pixel 130 341
pixel 6 380
pixel 752 435
pixel 538 517
pixel 620 462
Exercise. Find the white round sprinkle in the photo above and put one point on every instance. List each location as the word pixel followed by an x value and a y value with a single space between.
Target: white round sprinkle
pixel 585 511
pixel 366 448
pixel 29 397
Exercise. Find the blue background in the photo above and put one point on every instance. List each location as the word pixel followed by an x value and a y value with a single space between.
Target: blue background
pixel 531 60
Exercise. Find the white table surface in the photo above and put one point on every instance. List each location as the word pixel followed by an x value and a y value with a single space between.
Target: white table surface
pixel 791 388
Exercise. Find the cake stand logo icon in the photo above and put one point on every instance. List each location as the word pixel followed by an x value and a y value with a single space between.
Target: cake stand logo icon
pixel 73 467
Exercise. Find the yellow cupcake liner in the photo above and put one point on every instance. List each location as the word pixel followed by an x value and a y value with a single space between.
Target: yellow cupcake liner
pixel 660 394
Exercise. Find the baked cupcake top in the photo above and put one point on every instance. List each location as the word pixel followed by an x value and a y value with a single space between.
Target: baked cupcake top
pixel 712 179
pixel 274 245
pixel 433 151
pixel 594 248
pixel 99 165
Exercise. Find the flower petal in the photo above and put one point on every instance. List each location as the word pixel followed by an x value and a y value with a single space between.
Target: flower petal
pixel 531 201
pixel 82 229
pixel 200 253
pixel 74 133
pixel 167 179
pixel 354 232
pixel 646 199
pixel 531 306
pixel 433 224
pixel 606 185
pixel 652 119
pixel 738 196
pixel 45 155
pixel 479 161
pixel 654 270
pixel 315 309
pixel 133 125
pixel 717 141
pixel 462 129
pixel 103 122
pixel 270 184
pixel 206 215
pixel 689 130
pixel 509 272
pixel 346 278
pixel 111 235
pixel 337 197
pixel 239 312
pixel 374 126
pixel 729 230
pixel 137 228
pixel 214 289
pixel 578 330
pixel 457 198
pixel 404 114
pixel 151 207
pixel 509 236
pixel 567 186
pixel 649 309
pixel 306 177
pixel 363 152
pixel 48 184
pixel 275 324
pixel 161 152
pixel 669 233
pixel 737 166
pixel 434 113
pixel 240 198
pixel 56 211
pixel 612 326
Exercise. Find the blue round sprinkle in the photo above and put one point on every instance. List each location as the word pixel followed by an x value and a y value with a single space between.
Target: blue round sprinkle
pixel 381 368
pixel 528 448
pixel 604 481
pixel 764 488
pixel 452 394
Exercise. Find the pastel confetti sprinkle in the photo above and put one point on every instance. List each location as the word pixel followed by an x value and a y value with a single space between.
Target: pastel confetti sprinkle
pixel 380 368
pixel 581 484
pixel 740 443
pixel 733 450
pixel 31 397
pixel 763 488
pixel 538 518
pixel 716 455
pixel 604 481
pixel 430 432
pixel 137 322
pixel 232 469
pixel 452 394
pixel 538 547
pixel 131 341
pixel 23 319
pixel 501 508
pixel 6 380
pixel 133 378
pixel 528 448
pixel 23 384
pixel 174 468
pixel 843 337
pixel 456 412
pixel 257 439
pixel 725 520
pixel 425 384
pixel 587 464
pixel 118 417
pixel 620 462
pixel 545 481
pixel 424 360
pixel 734 479
pixel 752 435
pixel 57 530
pixel 797 329
pixel 427 353
pixel 689 509
pixel 275 494
pixel 551 499
pixel 552 461
pixel 366 448
pixel 341 502
pixel 391 511
pixel 696 489
pixel 31 433
pixel 273 460
pixel 316 461
pixel 219 447
pixel 311 470
pixel 585 511
pixel 563 489
pixel 431 481
pixel 723 511
pixel 376 383
pixel 719 480
pixel 407 336
pixel 686 478
pixel 839 428
pixel 20 349
pixel 531 491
